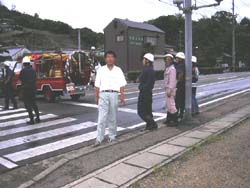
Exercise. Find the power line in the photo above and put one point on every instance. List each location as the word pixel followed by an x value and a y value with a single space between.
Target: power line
pixel 165 2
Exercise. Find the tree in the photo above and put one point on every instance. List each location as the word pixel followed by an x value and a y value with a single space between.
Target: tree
pixel 36 15
pixel 213 36
pixel 171 24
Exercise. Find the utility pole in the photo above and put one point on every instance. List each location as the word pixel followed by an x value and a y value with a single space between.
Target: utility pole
pixel 233 38
pixel 79 49
pixel 188 59
pixel 187 9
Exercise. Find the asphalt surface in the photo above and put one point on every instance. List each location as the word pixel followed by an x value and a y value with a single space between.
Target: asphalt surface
pixel 69 125
pixel 221 163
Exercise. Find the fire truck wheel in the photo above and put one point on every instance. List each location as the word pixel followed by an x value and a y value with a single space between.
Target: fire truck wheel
pixel 49 95
pixel 75 97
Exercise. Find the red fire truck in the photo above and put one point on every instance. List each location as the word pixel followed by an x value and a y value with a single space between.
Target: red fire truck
pixel 59 74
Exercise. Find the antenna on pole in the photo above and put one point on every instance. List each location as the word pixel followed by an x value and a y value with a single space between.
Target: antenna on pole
pixel 79 49
pixel 233 37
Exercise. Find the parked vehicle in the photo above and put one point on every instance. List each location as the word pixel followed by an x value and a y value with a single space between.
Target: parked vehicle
pixel 59 74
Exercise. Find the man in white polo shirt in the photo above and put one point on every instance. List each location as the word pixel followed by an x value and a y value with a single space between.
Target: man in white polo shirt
pixel 110 81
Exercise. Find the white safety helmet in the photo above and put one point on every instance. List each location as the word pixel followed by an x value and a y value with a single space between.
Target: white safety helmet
pixel 169 55
pixel 180 55
pixel 92 48
pixel 149 57
pixel 194 59
pixel 7 63
pixel 26 60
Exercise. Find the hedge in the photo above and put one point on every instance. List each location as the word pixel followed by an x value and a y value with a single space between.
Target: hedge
pixel 159 74
pixel 242 69
pixel 133 75
pixel 211 70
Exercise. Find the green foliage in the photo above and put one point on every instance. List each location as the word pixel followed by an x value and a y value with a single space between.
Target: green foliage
pixel 36 15
pixel 210 70
pixel 213 36
pixel 133 75
pixel 243 69
pixel 159 74
pixel 34 22
pixel 89 38
pixel 171 24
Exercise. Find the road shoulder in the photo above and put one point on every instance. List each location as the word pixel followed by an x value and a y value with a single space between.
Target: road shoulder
pixel 222 162
pixel 141 164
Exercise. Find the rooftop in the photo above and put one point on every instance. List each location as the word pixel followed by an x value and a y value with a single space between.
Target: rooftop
pixel 11 51
pixel 139 25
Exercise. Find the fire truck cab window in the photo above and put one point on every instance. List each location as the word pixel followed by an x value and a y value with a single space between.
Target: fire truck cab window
pixel 49 69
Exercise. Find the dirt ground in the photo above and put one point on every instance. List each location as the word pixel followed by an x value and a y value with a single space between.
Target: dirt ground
pixel 223 162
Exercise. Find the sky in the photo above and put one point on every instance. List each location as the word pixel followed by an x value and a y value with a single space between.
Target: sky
pixel 96 14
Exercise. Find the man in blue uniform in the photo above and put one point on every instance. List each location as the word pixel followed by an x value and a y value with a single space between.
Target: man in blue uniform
pixel 180 93
pixel 195 78
pixel 147 81
pixel 28 79
pixel 8 90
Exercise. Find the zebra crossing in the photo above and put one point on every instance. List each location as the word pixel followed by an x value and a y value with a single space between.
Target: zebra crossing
pixel 21 143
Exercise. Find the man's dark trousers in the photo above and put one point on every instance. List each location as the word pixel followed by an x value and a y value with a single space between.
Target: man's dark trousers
pixel 145 108
pixel 29 99
pixel 180 99
pixel 9 95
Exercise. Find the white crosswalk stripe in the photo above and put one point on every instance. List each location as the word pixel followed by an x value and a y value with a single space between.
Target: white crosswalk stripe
pixel 40 150
pixel 21 121
pixel 36 126
pixel 19 142
pixel 8 164
pixel 12 111
pixel 46 134
pixel 13 116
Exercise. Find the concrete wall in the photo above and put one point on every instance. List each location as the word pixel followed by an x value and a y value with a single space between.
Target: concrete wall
pixel 159 63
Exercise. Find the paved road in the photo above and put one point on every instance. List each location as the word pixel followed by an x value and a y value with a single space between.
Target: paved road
pixel 67 125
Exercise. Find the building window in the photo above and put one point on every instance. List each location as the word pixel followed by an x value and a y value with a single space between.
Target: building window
pixel 119 38
pixel 151 40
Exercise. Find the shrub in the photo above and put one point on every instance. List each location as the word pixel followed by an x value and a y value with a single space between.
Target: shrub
pixel 159 74
pixel 133 75
pixel 242 69
pixel 211 70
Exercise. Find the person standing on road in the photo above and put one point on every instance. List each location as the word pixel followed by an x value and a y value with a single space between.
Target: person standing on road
pixel 110 81
pixel 195 78
pixel 8 90
pixel 146 85
pixel 28 89
pixel 170 86
pixel 180 75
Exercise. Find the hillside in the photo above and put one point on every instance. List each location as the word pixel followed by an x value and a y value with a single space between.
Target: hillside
pixel 42 34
